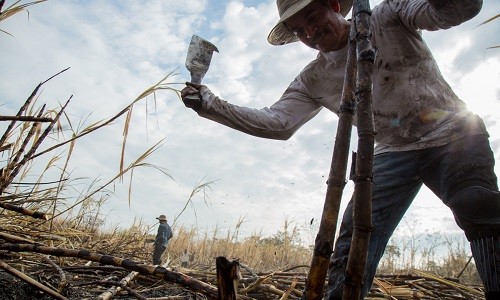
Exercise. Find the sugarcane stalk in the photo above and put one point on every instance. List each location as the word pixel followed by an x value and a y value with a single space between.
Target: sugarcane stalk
pixel 289 290
pixel 25 105
pixel 25 118
pixel 358 73
pixel 160 272
pixel 228 275
pixel 15 158
pixel 465 267
pixel 112 291
pixel 362 208
pixel 336 181
pixel 9 177
pixel 24 211
pixel 14 238
pixel 63 282
pixel 5 147
pixel 113 283
pixel 19 113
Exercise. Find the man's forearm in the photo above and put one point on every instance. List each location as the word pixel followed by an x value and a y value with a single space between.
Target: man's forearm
pixel 467 8
pixel 438 4
pixel 455 12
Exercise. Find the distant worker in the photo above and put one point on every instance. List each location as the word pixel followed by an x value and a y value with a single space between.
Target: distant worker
pixel 185 258
pixel 162 237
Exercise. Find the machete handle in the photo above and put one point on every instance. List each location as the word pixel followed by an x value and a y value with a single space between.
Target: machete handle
pixel 192 101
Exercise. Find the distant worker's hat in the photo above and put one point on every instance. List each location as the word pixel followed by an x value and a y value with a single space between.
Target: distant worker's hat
pixel 162 218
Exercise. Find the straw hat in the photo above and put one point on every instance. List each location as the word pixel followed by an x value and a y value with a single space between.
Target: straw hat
pixel 281 34
pixel 162 218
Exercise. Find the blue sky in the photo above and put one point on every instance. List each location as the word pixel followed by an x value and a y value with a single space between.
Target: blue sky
pixel 117 49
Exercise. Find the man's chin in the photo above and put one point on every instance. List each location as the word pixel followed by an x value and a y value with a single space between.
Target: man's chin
pixel 327 47
pixel 323 48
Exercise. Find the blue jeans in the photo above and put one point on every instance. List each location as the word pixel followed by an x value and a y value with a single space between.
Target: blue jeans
pixel 398 176
pixel 157 252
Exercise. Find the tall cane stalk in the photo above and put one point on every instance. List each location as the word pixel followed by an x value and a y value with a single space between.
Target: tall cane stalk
pixel 357 77
pixel 336 181
pixel 362 206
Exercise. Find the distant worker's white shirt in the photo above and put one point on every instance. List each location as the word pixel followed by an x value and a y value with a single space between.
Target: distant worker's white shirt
pixel 185 257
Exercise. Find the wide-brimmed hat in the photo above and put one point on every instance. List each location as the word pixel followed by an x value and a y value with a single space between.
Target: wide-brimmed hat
pixel 162 218
pixel 281 34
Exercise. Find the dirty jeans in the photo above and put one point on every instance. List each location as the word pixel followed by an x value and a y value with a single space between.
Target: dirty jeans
pixel 157 252
pixel 398 176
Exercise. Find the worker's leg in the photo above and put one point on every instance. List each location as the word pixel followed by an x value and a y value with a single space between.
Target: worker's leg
pixel 395 186
pixel 486 252
pixel 462 175
pixel 157 252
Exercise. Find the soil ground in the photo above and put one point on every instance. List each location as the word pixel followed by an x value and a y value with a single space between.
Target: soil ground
pixel 12 288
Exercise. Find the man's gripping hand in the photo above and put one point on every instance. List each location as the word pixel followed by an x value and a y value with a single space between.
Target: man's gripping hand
pixel 191 95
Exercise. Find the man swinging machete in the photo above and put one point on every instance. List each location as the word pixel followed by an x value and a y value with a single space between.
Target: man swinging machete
pixel 425 133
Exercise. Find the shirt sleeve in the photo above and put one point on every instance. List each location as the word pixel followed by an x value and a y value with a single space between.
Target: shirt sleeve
pixel 279 121
pixel 160 236
pixel 436 14
pixel 169 233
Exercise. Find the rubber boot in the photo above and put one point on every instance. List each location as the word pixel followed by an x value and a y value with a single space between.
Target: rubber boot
pixel 486 252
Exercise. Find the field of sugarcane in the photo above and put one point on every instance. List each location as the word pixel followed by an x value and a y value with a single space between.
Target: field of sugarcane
pixel 72 259
pixel 53 246
pixel 48 253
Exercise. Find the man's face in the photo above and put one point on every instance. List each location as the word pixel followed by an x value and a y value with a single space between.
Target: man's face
pixel 320 26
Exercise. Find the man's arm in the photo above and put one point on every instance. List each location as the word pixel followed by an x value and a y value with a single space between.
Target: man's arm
pixel 457 11
pixel 435 14
pixel 160 236
pixel 170 233
pixel 280 121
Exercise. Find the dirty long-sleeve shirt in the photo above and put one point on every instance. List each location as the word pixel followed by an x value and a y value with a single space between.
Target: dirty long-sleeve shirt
pixel 164 234
pixel 413 105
